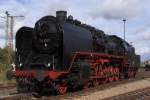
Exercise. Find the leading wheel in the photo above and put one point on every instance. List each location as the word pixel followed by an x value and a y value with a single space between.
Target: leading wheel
pixel 61 89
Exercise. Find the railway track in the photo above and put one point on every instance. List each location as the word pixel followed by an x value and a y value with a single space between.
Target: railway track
pixel 70 95
pixel 86 92
pixel 142 94
pixel 9 86
pixel 20 96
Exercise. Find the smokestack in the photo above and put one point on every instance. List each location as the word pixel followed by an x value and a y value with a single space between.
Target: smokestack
pixel 61 15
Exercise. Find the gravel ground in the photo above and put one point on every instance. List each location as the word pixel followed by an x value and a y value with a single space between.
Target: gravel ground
pixel 7 92
pixel 113 91
pixel 119 89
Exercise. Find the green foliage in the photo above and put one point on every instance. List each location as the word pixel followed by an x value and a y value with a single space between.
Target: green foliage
pixel 5 57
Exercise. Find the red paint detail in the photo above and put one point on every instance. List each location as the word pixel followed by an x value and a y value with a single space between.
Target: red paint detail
pixel 111 79
pixel 51 74
pixel 62 89
pixel 87 55
pixel 26 73
pixel 54 74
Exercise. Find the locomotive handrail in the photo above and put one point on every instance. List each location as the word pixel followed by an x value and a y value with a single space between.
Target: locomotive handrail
pixel 99 54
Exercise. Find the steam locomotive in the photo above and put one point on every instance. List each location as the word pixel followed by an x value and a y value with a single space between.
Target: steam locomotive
pixel 61 54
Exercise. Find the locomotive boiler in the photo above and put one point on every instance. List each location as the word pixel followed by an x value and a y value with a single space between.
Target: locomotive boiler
pixel 61 54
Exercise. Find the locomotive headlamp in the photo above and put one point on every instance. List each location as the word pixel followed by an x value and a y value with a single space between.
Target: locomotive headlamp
pixel 49 64
pixel 20 64
pixel 45 44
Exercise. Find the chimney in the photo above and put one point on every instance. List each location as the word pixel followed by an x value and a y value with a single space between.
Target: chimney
pixel 61 15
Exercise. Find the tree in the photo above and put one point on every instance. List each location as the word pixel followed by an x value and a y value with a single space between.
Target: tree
pixel 6 57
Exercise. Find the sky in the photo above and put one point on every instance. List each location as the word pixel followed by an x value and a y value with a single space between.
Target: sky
pixel 105 15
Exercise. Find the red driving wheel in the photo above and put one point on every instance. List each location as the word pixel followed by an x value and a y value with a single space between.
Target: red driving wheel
pixel 104 77
pixel 111 78
pixel 117 74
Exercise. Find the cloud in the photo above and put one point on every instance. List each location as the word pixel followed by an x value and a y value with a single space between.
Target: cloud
pixel 141 41
pixel 93 12
pixel 117 9
pixel 2 36
pixel 146 35
pixel 2 26
pixel 143 33
pixel 144 50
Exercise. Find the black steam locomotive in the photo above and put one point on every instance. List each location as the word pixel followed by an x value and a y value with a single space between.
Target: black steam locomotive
pixel 61 54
